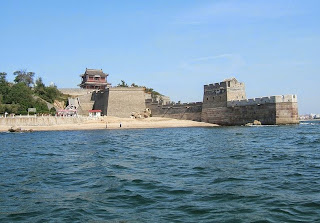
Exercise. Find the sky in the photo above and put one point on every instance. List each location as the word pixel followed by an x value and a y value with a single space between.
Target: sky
pixel 175 47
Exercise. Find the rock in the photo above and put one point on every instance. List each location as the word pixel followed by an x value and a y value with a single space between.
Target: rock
pixel 256 122
pixel 12 129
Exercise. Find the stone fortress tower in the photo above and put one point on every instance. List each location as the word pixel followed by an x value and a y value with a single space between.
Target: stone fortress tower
pixel 225 103
pixel 217 95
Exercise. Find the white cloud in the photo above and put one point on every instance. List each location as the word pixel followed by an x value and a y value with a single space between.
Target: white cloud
pixel 229 56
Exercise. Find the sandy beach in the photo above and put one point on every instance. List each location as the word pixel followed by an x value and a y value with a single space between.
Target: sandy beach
pixel 114 123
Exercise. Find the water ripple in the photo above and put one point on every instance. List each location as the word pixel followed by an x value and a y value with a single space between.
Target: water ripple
pixel 227 174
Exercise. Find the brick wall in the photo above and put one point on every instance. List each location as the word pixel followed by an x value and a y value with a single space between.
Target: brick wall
pixel 125 100
pixel 186 111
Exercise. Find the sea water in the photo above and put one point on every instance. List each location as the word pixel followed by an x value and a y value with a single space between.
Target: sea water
pixel 220 174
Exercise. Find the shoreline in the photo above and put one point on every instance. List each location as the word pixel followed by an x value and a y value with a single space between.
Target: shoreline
pixel 310 120
pixel 112 123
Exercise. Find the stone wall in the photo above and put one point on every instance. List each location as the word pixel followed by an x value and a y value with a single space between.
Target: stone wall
pixel 160 99
pixel 268 110
pixel 223 103
pixel 101 101
pixel 185 111
pixel 218 94
pixel 215 95
pixel 235 90
pixel 125 100
pixel 287 113
pixel 83 96
pixel 86 103
pixel 39 120
pixel 241 115
pixel 216 115
pixel 264 100
pixel 76 91
pixel 117 101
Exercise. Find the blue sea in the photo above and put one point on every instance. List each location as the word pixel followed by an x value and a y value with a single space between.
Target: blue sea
pixel 219 174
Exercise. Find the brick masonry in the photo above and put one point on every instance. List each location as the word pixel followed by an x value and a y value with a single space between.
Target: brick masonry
pixel 223 103
pixel 187 111
pixel 120 101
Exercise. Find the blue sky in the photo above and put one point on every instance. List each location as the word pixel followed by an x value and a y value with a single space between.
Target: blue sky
pixel 174 47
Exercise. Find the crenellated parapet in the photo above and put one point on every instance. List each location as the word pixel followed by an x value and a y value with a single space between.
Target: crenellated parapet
pixel 215 86
pixel 75 91
pixel 286 98
pixel 263 100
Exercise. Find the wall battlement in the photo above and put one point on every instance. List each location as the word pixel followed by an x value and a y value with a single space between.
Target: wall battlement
pixel 228 83
pixel 215 86
pixel 263 100
pixel 76 91
pixel 173 105
pixel 129 89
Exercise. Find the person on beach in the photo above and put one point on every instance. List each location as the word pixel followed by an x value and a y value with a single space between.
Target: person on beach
pixel 120 124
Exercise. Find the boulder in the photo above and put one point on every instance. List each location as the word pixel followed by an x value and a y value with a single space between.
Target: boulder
pixel 256 122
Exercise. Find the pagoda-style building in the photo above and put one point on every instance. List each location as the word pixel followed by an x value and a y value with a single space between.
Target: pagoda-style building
pixel 94 79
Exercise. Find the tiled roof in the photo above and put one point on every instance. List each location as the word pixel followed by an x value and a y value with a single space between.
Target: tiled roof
pixel 95 72
pixel 94 110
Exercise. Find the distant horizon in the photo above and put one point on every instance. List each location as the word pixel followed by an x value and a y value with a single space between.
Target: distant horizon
pixel 174 47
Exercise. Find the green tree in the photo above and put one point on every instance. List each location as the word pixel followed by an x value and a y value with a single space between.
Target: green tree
pixel 3 76
pixel 53 111
pixel 4 87
pixel 154 94
pixel 9 108
pixel 122 84
pixel 20 94
pixel 39 88
pixel 52 93
pixel 39 85
pixel 40 106
pixel 48 94
pixel 22 76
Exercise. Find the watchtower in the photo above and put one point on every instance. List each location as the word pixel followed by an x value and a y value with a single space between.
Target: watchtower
pixel 94 79
pixel 217 95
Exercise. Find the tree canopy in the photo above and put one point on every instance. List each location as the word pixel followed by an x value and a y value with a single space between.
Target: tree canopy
pixel 49 93
pixel 17 97
pixel 4 87
pixel 22 76
pixel 3 76
pixel 123 84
